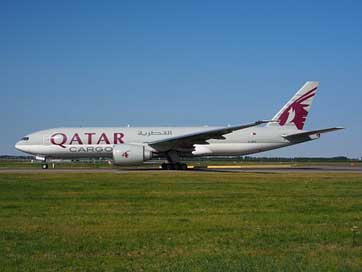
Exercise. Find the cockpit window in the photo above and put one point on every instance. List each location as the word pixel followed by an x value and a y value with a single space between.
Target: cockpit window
pixel 25 139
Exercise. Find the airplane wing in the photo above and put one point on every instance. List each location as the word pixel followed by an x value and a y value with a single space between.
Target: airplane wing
pixel 313 134
pixel 187 141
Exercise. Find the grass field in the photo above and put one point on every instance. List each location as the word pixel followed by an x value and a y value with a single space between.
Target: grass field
pixel 180 221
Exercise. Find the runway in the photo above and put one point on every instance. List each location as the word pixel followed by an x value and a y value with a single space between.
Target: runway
pixel 228 169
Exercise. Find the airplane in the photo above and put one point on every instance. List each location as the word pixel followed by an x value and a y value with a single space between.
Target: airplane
pixel 135 145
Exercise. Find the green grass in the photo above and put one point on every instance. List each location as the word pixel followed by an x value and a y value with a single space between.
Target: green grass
pixel 180 221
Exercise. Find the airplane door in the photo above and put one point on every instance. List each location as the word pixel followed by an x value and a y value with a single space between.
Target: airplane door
pixel 46 140
pixel 252 138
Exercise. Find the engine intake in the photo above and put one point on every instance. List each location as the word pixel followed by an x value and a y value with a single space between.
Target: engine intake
pixel 128 154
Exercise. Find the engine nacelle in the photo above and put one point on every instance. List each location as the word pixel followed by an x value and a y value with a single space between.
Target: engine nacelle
pixel 128 154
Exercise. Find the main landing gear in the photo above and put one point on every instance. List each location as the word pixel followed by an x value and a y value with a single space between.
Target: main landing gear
pixel 44 166
pixel 174 166
pixel 173 163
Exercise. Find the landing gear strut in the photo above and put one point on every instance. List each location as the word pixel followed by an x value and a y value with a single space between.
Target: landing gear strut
pixel 174 166
pixel 174 162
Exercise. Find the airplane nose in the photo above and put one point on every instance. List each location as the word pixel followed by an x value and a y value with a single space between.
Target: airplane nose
pixel 18 146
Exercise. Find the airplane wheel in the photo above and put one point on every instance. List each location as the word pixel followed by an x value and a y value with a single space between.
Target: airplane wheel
pixel 180 166
pixel 170 166
pixel 174 166
pixel 44 166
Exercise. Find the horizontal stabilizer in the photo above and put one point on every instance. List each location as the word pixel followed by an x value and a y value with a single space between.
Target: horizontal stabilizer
pixel 313 134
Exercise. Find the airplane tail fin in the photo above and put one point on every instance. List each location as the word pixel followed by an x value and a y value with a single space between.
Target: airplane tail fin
pixel 295 112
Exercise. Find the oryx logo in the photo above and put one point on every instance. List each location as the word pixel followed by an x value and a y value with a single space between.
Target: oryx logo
pixel 125 154
pixel 297 112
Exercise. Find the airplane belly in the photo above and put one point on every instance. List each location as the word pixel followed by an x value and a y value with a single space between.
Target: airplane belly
pixel 235 149
pixel 72 151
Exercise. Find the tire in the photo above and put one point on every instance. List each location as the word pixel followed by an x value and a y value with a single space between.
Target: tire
pixel 44 166
pixel 180 166
pixel 174 166
pixel 170 166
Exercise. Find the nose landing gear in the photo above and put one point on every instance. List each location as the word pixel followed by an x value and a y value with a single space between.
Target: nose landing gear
pixel 43 160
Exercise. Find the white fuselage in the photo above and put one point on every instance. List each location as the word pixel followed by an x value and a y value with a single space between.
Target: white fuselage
pixel 64 143
pixel 133 145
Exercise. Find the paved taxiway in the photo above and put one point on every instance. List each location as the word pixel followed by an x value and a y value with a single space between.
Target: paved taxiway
pixel 306 169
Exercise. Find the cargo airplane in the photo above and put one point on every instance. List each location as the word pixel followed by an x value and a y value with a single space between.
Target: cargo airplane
pixel 135 145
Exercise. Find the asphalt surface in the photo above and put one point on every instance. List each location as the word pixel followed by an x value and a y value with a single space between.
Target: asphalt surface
pixel 307 169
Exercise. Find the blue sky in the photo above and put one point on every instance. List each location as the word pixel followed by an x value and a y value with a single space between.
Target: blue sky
pixel 144 63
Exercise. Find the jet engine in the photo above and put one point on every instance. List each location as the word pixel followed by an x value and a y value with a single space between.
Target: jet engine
pixel 129 154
